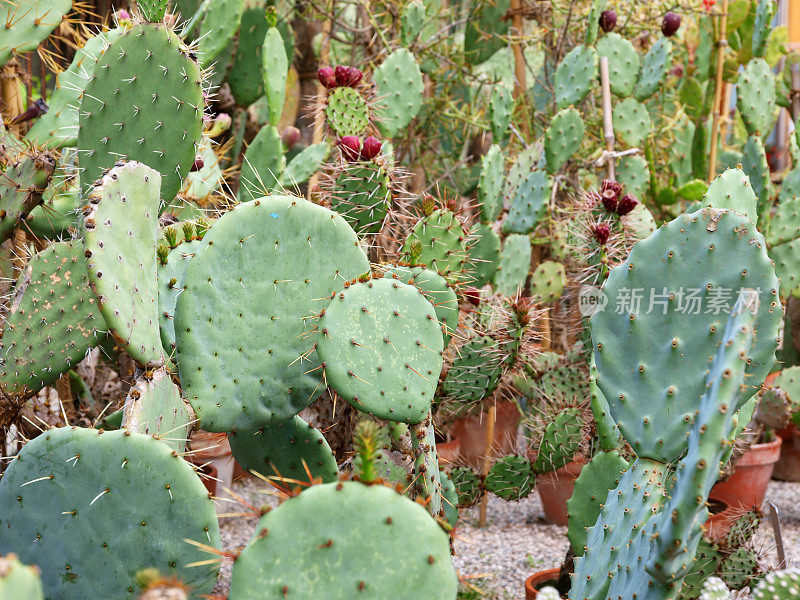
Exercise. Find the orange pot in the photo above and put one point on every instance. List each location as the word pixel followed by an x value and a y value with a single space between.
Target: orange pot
pixel 556 487
pixel 208 474
pixel 472 434
pixel 720 520
pixel 537 580
pixel 748 484
pixel 206 446
pixel 449 451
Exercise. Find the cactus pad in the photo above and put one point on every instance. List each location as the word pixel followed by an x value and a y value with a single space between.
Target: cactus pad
pixel 362 194
pixel 575 76
pixel 381 347
pixel 398 92
pixel 103 505
pixel 486 28
pixel 289 255
pixel 560 441
pixel 633 174
pixel 490 184
pixel 756 96
pixel 427 482
pixel 121 259
pixel 514 265
pixel 475 372
pixel 262 165
pixel 623 63
pixel 754 164
pixel 27 23
pixel 563 138
pixel 655 65
pixel 732 191
pixel 443 243
pixel 144 103
pixel 548 281
pixel 468 486
pixel 152 10
pixel 632 121
pixel 739 568
pixel 717 253
pixel 530 203
pixel 785 244
pixel 328 531
pixel 154 407
pixel 436 291
pixel 500 112
pixel 484 254
pixel 285 449
pixel 219 26
pixel 762 27
pixel 346 111
pixel 21 187
pixel 511 478
pixel 171 268
pixel 19 581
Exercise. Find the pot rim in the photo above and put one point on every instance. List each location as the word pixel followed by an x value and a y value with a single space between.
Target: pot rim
pixel 541 577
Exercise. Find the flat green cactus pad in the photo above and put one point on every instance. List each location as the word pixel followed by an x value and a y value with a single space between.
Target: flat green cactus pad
pixel 514 265
pixel 449 500
pixel 152 10
pixel 756 96
pixel 154 407
pixel 575 76
pixel 52 320
pixel 262 166
pixel 304 165
pixel 27 23
pixel 623 63
pixel 563 138
pixel 732 191
pixel 468 486
pixel 285 449
pixel 754 164
pixel 289 255
pixel 597 478
pixel 593 21
pixel 530 203
pixel 398 92
pixel 426 476
pixel 475 372
pixel 634 174
pixel 490 184
pixel 548 281
pixel 435 289
pixel 145 103
pixel 21 188
pixel 632 121
pixel 362 194
pixel 765 13
pixel 19 581
pixel 170 276
pixel 441 240
pixel 500 109
pixel 381 347
pixel 784 245
pixel 716 254
pixel 121 258
pixel 332 532
pixel 346 111
pixel 484 254
pixel 101 506
pixel 560 441
pixel 511 478
pixel 218 28
pixel 485 30
pixel 655 65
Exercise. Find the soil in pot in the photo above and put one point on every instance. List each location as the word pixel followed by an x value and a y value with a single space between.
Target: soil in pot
pixel 556 488
pixel 748 484
pixel 471 432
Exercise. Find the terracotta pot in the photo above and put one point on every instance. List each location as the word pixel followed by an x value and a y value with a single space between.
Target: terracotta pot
pixel 208 475
pixel 748 484
pixel 556 488
pixel 472 434
pixel 448 451
pixel 788 466
pixel 205 445
pixel 538 580
pixel 720 520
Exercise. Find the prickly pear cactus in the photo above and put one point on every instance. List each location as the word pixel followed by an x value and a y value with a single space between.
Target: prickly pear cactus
pixel 756 96
pixel 467 484
pixel 632 121
pixel 52 320
pixel 623 63
pixel 475 372
pixel 19 581
pixel 633 174
pixel 290 255
pixel 21 187
pixel 655 65
pixel 144 103
pixel 332 532
pixel 290 449
pixel 152 11
pixel 440 241
pixel 575 76
pixel 514 265
pixel 500 112
pixel 511 478
pixel 490 184
pixel 732 190
pixel 560 441
pixel 27 23
pixel 754 164
pixel 346 111
pixel 563 138
pixel 765 13
pixel 530 203
pixel 362 194
pixel 381 347
pixel 262 166
pixel 427 480
pixel 154 407
pixel 398 91
pixel 121 257
pixel 110 502
pixel 548 281
pixel 483 254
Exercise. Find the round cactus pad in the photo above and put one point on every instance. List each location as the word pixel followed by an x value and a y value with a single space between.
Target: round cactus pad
pixel 381 345
pixel 285 449
pixel 652 359
pixel 265 268
pixel 346 540
pixel 93 508
pixel 21 582
pixel 27 23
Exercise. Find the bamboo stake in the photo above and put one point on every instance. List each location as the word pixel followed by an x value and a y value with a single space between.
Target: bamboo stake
pixel 487 459
pixel 11 95
pixel 319 118
pixel 608 122
pixel 722 42
pixel 520 76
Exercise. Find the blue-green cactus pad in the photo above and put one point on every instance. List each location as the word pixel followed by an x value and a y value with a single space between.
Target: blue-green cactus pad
pixel 511 478
pixel 289 256
pixel 443 240
pixel 755 96
pixel 346 540
pixel 398 92
pixel 514 265
pixel 285 449
pixel 755 166
pixel 490 184
pixel 94 507
pixel 530 203
pixel 484 254
pixel 563 138
pixel 623 63
pixel 632 121
pixel 732 191
pixel 715 252
pixel 27 23
pixel 634 174
pixel 170 276
pixel 21 582
pixel 655 65
pixel 362 194
pixel 381 346
pixel 575 76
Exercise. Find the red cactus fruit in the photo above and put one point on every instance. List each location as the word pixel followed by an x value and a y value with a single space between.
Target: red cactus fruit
pixel 608 20
pixel 350 146
pixel 371 148
pixel 601 233
pixel 671 24
pixel 348 76
pixel 327 77
pixel 198 163
pixel 626 204
pixel 473 295
pixel 610 192
pixel 290 137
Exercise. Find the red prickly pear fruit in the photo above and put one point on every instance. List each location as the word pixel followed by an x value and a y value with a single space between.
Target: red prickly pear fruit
pixel 198 163
pixel 348 76
pixel 355 76
pixel 601 233
pixel 627 204
pixel 473 295
pixel 351 147
pixel 608 20
pixel 327 77
pixel 610 192
pixel 671 24
pixel 371 148
pixel 290 137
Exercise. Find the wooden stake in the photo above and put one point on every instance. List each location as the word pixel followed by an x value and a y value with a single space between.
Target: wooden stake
pixel 487 459
pixel 520 76
pixel 608 122
pixel 10 93
pixel 319 119
pixel 722 43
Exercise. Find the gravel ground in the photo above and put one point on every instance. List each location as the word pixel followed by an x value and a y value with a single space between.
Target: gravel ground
pixel 515 543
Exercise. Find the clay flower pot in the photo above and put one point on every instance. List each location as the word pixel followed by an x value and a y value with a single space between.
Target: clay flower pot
pixel 537 580
pixel 472 434
pixel 788 466
pixel 556 487
pixel 748 484
pixel 720 519
pixel 449 451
